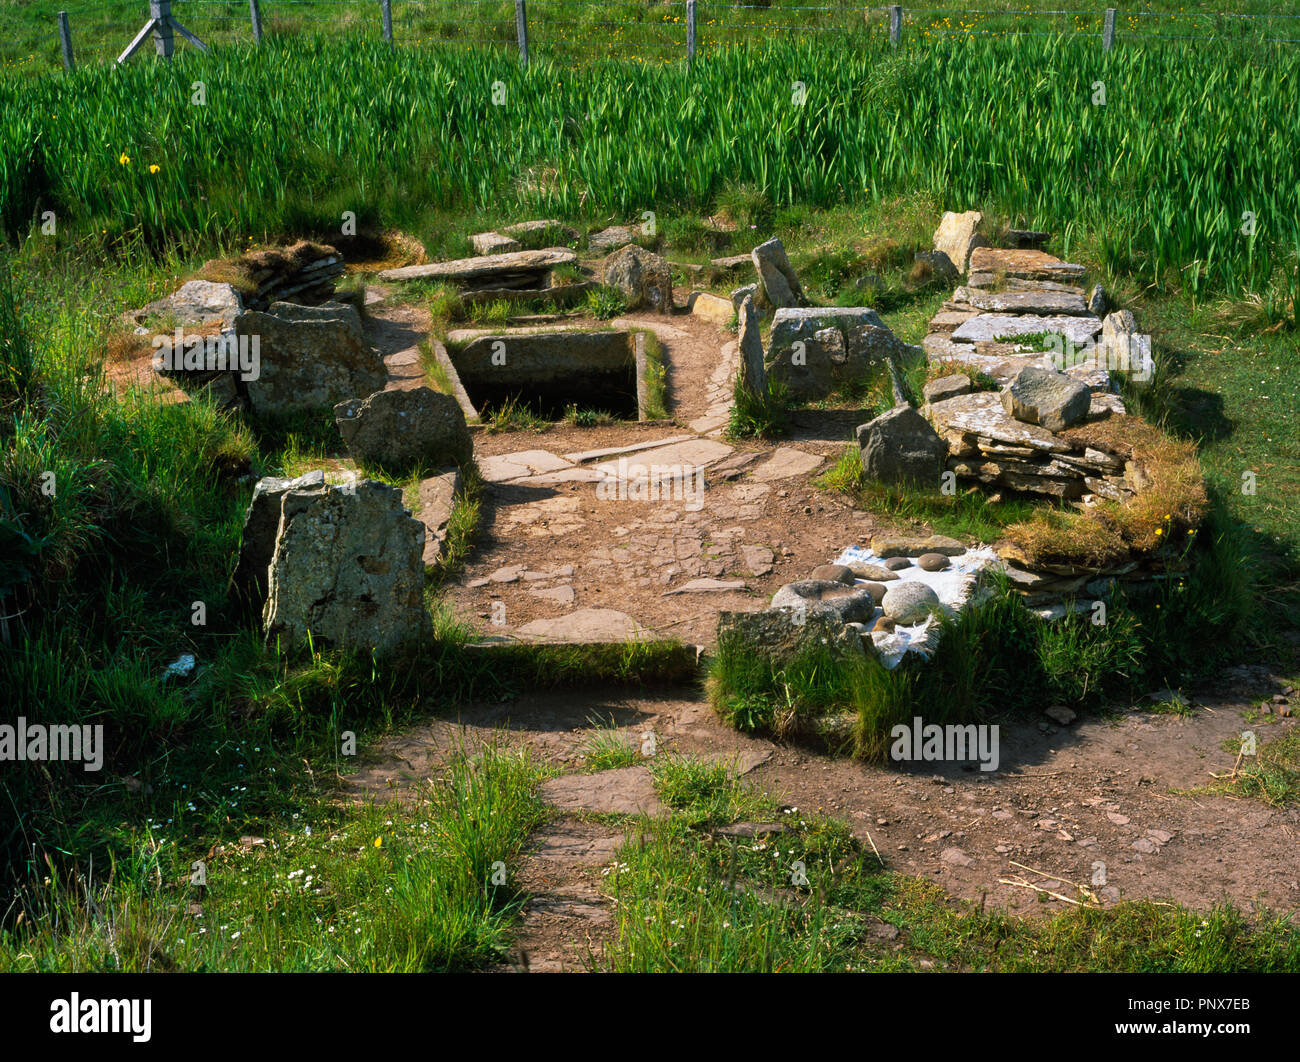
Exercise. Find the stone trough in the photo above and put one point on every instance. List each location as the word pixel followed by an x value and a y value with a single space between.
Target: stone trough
pixel 548 370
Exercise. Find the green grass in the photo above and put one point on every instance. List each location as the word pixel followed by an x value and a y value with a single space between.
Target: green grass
pixel 514 414
pixel 377 888
pixel 656 376
pixel 968 515
pixel 462 525
pixel 607 748
pixel 386 143
pixel 605 302
pixel 1272 775
pixel 764 416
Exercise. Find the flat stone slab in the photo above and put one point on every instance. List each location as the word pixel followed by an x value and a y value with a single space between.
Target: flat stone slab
pixel 987 327
pixel 468 335
pixel 582 456
pixel 737 263
pixel 710 423
pixel 557 595
pixel 1026 264
pixel 485 243
pixel 694 453
pixel 625 790
pixel 585 625
pixel 575 844
pixel 787 462
pixel 505 467
pixel 483 266
pixel 946 321
pixel 742 761
pixel 437 498
pixel 981 413
pixel 564 475
pixel 1034 302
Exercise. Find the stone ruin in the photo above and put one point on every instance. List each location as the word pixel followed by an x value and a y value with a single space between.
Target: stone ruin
pixel 1032 433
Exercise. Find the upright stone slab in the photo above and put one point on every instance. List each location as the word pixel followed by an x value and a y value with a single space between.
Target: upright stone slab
pixel 438 496
pixel 814 350
pixel 752 374
pixel 776 277
pixel 348 568
pixel 307 363
pixel 257 541
pixel 399 429
pixel 958 235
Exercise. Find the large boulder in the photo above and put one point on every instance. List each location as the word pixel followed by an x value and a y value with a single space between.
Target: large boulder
pixel 643 277
pixel 257 542
pixel 958 235
pixel 1047 398
pixel 777 281
pixel 347 569
pixel 308 359
pixel 400 429
pixel 752 373
pixel 901 447
pixel 196 302
pixel 812 351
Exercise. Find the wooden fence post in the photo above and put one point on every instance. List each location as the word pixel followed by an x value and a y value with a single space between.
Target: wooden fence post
pixel 388 20
pixel 161 13
pixel 895 24
pixel 1108 30
pixel 521 29
pixel 690 31
pixel 255 13
pixel 65 41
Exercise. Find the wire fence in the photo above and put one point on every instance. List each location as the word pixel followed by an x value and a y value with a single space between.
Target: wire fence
pixel 646 30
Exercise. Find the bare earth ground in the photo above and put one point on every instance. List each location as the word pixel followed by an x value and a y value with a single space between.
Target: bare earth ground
pixel 1122 790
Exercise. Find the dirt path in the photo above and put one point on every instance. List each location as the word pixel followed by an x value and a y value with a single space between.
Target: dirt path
pixel 1116 790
